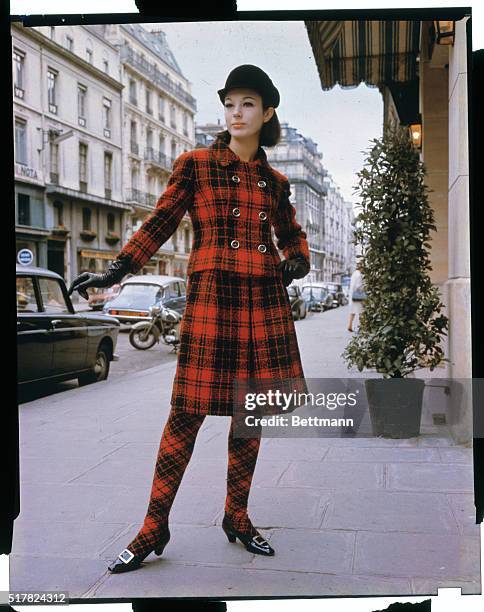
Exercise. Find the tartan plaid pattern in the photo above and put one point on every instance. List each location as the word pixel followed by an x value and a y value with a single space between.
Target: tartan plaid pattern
pixel 234 327
pixel 242 459
pixel 221 210
pixel 175 450
pixel 176 447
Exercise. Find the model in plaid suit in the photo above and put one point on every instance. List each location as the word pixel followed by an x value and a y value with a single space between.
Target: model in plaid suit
pixel 237 322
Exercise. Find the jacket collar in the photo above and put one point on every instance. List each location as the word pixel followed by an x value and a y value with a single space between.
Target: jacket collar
pixel 221 151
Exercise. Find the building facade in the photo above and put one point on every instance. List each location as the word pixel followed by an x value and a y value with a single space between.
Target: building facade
pixel 158 125
pixel 338 235
pixel 68 163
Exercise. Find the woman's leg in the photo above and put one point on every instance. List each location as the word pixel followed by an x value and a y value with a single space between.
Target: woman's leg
pixel 176 446
pixel 242 458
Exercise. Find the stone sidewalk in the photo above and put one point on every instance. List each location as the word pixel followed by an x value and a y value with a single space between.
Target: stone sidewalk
pixel 346 516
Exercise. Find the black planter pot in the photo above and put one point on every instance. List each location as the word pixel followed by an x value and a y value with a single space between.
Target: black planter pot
pixel 395 406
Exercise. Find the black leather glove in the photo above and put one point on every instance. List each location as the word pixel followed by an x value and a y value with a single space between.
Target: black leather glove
pixel 295 267
pixel 114 274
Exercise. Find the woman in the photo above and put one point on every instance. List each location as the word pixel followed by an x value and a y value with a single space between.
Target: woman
pixel 356 306
pixel 237 322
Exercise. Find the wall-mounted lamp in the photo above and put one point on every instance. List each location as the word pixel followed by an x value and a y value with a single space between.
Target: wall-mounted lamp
pixel 444 32
pixel 415 130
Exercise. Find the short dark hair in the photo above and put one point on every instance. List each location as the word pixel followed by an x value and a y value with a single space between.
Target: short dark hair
pixel 269 136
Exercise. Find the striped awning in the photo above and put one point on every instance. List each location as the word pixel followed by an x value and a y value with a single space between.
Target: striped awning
pixel 375 52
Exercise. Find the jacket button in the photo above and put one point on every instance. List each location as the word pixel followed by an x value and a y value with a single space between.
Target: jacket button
pixel 236 179
pixel 262 215
pixel 262 248
pixel 236 212
pixel 262 183
pixel 235 244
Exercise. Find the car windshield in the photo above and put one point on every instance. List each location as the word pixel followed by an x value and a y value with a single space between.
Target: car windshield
pixel 292 291
pixel 137 295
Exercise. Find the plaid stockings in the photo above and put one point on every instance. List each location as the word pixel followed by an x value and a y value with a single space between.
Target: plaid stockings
pixel 175 450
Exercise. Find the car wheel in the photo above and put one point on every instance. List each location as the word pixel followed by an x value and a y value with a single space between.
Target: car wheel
pixel 99 372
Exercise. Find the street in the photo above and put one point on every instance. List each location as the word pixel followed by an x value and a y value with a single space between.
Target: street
pixel 346 516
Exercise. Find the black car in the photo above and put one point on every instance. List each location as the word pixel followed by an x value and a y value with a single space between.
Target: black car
pixel 339 296
pixel 317 297
pixel 298 305
pixel 54 342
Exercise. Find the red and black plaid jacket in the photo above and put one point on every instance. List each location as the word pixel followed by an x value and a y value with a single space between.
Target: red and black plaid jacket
pixel 232 205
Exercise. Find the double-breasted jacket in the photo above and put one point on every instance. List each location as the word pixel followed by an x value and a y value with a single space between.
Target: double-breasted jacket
pixel 232 205
pixel 237 323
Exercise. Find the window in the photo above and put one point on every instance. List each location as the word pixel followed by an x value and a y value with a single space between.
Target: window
pixel 26 299
pixel 69 43
pixel 111 222
pixel 83 166
pixel 149 109
pixel 133 139
pixel 134 178
pixel 52 33
pixel 89 56
pixel 59 213
pixel 108 174
pixel 54 163
pixel 18 61
pixel 149 140
pixel 161 108
pixel 86 218
pixel 107 117
pixel 21 141
pixel 23 209
pixel 172 116
pixel 53 299
pixel 187 240
pixel 81 104
pixel 173 149
pixel 52 90
pixel 132 91
pixel 185 124
pixel 106 66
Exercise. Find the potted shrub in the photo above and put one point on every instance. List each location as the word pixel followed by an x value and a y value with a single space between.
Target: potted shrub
pixel 401 326
pixel 112 237
pixel 88 235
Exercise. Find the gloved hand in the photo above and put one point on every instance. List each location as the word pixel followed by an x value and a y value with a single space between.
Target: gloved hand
pixel 295 267
pixel 114 274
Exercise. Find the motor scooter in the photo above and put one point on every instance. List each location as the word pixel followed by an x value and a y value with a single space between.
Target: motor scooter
pixel 163 325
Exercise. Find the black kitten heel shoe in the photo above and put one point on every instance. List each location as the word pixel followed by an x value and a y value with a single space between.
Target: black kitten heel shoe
pixel 126 561
pixel 255 544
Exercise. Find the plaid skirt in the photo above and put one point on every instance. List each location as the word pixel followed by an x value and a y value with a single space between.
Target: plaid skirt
pixel 235 326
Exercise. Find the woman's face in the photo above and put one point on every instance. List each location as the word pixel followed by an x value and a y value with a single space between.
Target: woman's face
pixel 244 106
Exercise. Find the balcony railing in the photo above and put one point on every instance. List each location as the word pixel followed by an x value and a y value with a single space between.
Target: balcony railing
pixel 129 56
pixel 141 197
pixel 158 158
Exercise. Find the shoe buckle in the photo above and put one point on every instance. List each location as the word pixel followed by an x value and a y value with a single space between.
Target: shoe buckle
pixel 126 555
pixel 259 540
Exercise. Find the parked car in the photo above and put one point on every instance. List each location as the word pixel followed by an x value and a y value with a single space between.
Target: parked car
pixel 139 293
pixel 298 305
pixel 317 297
pixel 54 342
pixel 339 295
pixel 100 297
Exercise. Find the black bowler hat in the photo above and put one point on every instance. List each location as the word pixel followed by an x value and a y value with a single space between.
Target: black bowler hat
pixel 251 77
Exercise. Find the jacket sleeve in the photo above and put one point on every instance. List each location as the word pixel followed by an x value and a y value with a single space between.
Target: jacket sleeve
pixel 291 239
pixel 165 218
